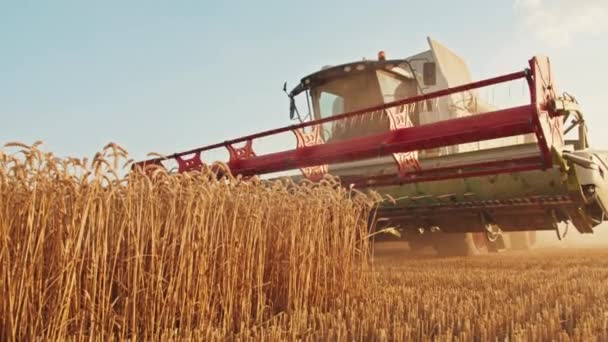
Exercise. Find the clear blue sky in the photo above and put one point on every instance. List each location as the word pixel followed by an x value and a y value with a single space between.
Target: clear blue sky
pixel 173 75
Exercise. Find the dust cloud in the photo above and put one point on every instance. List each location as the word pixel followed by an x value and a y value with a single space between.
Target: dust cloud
pixel 573 238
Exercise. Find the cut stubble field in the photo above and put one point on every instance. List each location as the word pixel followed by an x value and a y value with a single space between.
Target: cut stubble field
pixel 539 295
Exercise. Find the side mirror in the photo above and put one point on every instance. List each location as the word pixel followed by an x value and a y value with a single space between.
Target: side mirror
pixel 292 103
pixel 429 73
pixel 292 108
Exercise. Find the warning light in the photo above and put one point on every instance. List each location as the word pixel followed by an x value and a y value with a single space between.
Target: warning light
pixel 381 56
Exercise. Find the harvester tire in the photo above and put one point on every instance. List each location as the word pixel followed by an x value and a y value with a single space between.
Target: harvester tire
pixel 456 244
pixel 418 242
pixel 522 241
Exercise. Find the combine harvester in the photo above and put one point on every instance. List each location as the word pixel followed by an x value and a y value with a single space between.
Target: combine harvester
pixel 466 177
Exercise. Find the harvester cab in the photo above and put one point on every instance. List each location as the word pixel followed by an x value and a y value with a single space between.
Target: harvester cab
pixel 464 176
pixel 367 83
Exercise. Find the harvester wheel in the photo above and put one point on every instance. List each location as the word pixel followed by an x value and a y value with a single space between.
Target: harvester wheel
pixel 418 242
pixel 457 244
pixel 522 240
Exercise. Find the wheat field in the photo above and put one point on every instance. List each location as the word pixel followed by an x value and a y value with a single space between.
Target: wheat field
pixel 90 251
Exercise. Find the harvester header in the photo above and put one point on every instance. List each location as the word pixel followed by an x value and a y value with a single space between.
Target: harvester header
pixel 312 155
